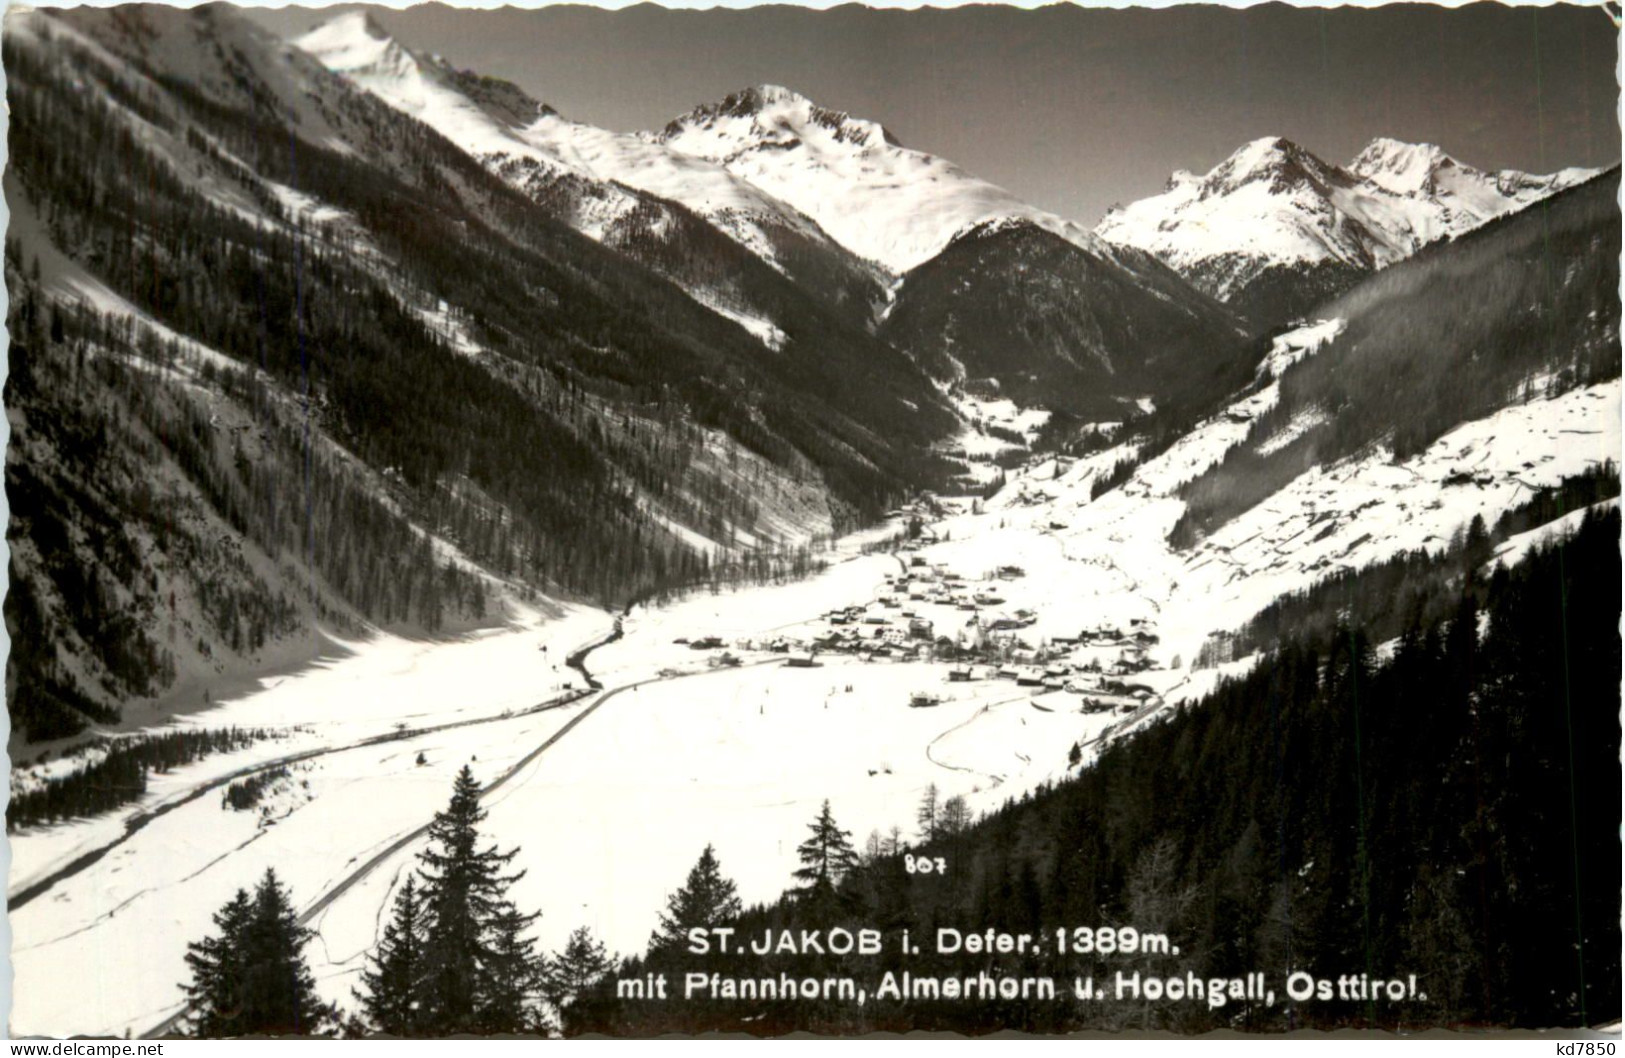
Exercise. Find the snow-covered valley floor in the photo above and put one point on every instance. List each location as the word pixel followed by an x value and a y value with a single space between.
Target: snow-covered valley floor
pixel 677 751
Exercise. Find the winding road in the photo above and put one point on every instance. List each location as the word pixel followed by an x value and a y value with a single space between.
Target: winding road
pixel 142 818
pixel 576 660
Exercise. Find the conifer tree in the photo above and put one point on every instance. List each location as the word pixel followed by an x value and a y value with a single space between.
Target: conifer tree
pixel 826 857
pixel 281 994
pixel 706 899
pixel 253 979
pixel 215 994
pixel 577 969
pixel 512 976
pixel 926 814
pixel 874 847
pixel 470 939
pixel 392 985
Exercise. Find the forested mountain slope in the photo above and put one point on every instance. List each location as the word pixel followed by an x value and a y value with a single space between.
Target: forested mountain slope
pixel 1056 325
pixel 1525 305
pixel 382 338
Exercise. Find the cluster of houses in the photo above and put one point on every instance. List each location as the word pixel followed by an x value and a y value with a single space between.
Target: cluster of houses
pixel 899 624
pixel 928 612
pixel 1099 692
pixel 1131 646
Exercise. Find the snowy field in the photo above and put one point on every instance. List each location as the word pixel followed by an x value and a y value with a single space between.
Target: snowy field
pixel 385 686
pixel 677 752
pixel 120 928
pixel 126 919
pixel 742 759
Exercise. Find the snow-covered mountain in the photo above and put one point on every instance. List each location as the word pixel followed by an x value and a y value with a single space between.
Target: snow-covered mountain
pixel 311 372
pixel 483 395
pixel 602 183
pixel 1465 196
pixel 894 206
pixel 779 176
pixel 1273 229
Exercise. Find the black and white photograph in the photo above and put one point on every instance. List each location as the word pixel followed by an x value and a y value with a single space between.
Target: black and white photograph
pixel 573 521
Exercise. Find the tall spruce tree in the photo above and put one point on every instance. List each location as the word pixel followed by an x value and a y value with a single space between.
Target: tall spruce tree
pixel 215 994
pixel 252 979
pixel 471 957
pixel 826 858
pixel 281 994
pixel 512 977
pixel 392 985
pixel 706 899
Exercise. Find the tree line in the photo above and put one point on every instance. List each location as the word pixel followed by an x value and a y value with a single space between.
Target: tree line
pixel 116 773
pixel 1384 598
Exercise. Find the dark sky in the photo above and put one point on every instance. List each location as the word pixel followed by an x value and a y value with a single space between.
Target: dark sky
pixel 1076 108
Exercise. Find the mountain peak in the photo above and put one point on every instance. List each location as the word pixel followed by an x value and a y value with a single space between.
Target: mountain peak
pixel 1404 168
pixel 351 41
pixel 757 98
pixel 1275 159
pixel 352 26
pixel 780 115
pixel 361 22
pixel 1304 217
